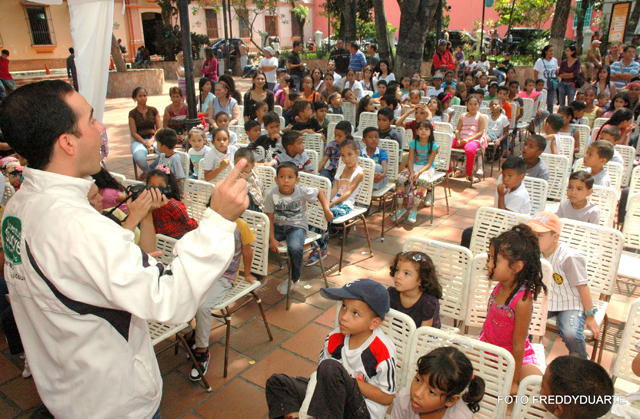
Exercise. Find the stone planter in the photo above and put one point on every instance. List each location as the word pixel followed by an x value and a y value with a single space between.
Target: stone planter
pixel 122 84
pixel 169 68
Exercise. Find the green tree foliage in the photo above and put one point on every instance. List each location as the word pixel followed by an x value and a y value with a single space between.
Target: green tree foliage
pixel 526 13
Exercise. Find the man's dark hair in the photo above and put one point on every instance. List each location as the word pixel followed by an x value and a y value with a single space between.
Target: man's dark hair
pixel 71 50
pixel 541 142
pixel 515 163
pixel 355 45
pixel 296 43
pixel 584 176
pixel 556 121
pixel 287 165
pixel 574 376
pixel 603 148
pixel 34 116
pixel 391 101
pixel 627 47
pixel 344 126
pixel 270 118
pixel 5 52
pixel 245 153
pixel 167 137
pixel 387 113
pixel 289 138
pixel 578 105
pixel 252 123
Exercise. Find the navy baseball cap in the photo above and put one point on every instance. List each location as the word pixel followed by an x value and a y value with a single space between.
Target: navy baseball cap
pixel 374 294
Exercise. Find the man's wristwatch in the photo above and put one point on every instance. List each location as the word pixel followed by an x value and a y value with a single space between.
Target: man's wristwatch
pixel 591 312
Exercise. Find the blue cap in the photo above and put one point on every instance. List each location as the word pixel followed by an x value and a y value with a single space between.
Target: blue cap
pixel 374 294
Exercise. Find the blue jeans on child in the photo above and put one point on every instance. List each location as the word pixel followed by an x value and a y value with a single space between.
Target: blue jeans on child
pixel 383 182
pixel 328 173
pixel 295 243
pixel 338 211
pixel 140 153
pixel 571 324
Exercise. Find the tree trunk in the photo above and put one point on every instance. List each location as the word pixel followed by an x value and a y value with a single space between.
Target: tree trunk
pixel 417 18
pixel 349 21
pixel 633 21
pixel 584 5
pixel 559 26
pixel 384 49
pixel 116 54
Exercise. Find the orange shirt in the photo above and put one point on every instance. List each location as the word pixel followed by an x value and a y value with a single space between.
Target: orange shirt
pixel 507 109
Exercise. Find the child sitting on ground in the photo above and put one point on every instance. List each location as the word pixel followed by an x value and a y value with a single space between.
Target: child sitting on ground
pixel 220 156
pixel 552 126
pixel 335 99
pixel 321 115
pixel 222 121
pixel 356 374
pixel 416 291
pixel 293 144
pixel 569 295
pixel 443 375
pixel 254 184
pixel 531 151
pixel 172 218
pixel 598 154
pixel 167 140
pixel 371 139
pixel 332 151
pixel 304 121
pixel 199 148
pixel 421 113
pixel 577 205
pixel 112 192
pixel 286 207
pixel 385 120
pixel 420 170
pixel 268 141
pixel 612 134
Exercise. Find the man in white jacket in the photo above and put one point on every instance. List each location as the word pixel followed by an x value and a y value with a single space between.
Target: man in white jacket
pixel 81 290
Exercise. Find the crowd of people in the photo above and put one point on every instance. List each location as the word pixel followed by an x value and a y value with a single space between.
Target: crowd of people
pixel 118 284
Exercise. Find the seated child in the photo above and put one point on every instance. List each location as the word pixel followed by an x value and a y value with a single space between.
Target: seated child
pixel 389 100
pixel 371 139
pixel 567 129
pixel 261 109
pixel 443 375
pixel 503 92
pixel 514 88
pixel 612 134
pixel 268 141
pixel 199 148
pixel 385 120
pixel 380 92
pixel 357 359
pixel 220 156
pixel 412 99
pixel 112 192
pixel 598 154
pixel 332 151
pixel 304 121
pixel 335 101
pixel 552 127
pixel 482 84
pixel 254 184
pixel 569 295
pixel 286 207
pixel 167 140
pixel 578 111
pixel 529 92
pixel 602 104
pixel 577 205
pixel 253 129
pixel 289 117
pixel 293 144
pixel 420 170
pixel 421 112
pixel 493 92
pixel 569 376
pixel 321 109
pixel 512 195
pixel 437 86
pixel 497 128
pixel 470 135
pixel 366 104
pixel 514 264
pixel 435 109
pixel 416 291
pixel 531 151
pixel 172 218
pixel 349 96
pixel 445 103
pixel 620 100
pixel 222 121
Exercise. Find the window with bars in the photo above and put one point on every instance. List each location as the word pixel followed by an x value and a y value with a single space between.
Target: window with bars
pixel 296 30
pixel 587 16
pixel 271 25
pixel 243 23
pixel 212 23
pixel 40 25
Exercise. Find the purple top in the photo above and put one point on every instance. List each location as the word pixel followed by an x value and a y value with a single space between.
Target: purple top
pixel 575 69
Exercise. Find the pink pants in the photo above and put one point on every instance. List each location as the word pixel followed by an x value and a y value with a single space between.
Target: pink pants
pixel 470 150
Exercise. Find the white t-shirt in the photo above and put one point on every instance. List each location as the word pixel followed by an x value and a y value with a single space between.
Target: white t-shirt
pixel 356 88
pixel 518 201
pixel 588 214
pixel 483 66
pixel 213 157
pixel 435 92
pixel 617 157
pixel 472 65
pixel 569 271
pixel 270 62
pixel 546 69
pixel 344 184
pixel 601 179
pixel 497 127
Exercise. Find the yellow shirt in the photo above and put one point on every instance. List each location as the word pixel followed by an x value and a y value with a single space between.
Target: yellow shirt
pixel 246 235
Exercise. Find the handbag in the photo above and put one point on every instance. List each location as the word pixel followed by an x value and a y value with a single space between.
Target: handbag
pixel 410 196
pixel 552 82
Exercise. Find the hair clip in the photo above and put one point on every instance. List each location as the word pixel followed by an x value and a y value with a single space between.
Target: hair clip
pixel 418 256
pixel 164 168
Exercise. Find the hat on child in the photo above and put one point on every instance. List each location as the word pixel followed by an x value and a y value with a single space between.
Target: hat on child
pixel 545 221
pixel 374 294
pixel 270 50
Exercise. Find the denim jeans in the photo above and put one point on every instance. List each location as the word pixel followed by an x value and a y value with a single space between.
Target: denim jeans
pixel 551 98
pixel 157 415
pixel 571 324
pixel 295 243
pixel 328 173
pixel 566 91
pixel 140 153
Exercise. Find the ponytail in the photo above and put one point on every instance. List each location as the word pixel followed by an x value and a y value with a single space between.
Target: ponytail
pixel 474 394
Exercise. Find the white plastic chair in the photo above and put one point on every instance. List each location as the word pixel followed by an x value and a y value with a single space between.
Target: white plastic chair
pixel 382 195
pixel 615 171
pixel 484 110
pixel 331 131
pixel 597 124
pixel 628 155
pixel 278 109
pixel 267 175
pixel 558 175
pixel 197 195
pixel 529 388
pixel 367 119
pixel 606 199
pixel 120 178
pixel 283 124
pixel 315 159
pixel 313 142
pixel 445 127
pixel 634 184
pixel 490 222
pixel 241 113
pixel 584 133
pixel 223 174
pixel 186 164
pixel 458 111
pixel 240 132
pixel 630 258
pixel 349 112
pixel 566 144
pixel 334 117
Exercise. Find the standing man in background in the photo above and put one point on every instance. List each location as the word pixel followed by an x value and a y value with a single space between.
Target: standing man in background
pixel 341 58
pixel 71 69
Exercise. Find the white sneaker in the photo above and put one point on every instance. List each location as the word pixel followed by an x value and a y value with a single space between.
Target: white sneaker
pixel 27 371
pixel 282 288
pixel 479 173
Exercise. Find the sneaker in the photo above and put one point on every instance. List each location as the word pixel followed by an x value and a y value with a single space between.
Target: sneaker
pixel 202 358
pixel 313 259
pixel 282 288
pixel 26 373
pixel 479 173
pixel 398 215
pixel 191 341
pixel 429 201
pixel 413 215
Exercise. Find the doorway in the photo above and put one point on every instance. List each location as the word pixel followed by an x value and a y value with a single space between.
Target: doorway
pixel 151 28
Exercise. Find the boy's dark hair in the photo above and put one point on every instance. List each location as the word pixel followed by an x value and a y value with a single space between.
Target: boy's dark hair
pixel 34 116
pixel 541 142
pixel 245 153
pixel 578 105
pixel 299 106
pixel 512 82
pixel 5 52
pixel 566 110
pixel 349 143
pixel 287 165
pixel 555 121
pixel 381 82
pixel 104 180
pixel 387 113
pixel 612 130
pixel 503 88
pixel 539 81
pixel 71 50
pixel 289 138
pixel 296 43
pixel 367 130
pixel 427 274
pixel 252 123
pixel 391 101
pixel 167 137
pixel 293 95
pixel 584 176
pixel 412 80
pixel 270 118
pixel 220 114
pixel 574 376
pixel 333 96
pixel 604 148
pixel 515 163
pixel 319 104
pixel 259 105
pixel 344 126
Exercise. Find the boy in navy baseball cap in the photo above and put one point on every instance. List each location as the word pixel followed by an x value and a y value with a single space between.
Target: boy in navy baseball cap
pixel 356 376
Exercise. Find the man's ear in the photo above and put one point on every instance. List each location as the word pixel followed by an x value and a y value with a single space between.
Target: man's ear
pixel 67 144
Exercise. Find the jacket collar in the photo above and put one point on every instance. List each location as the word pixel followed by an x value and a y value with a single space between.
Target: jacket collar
pixel 54 183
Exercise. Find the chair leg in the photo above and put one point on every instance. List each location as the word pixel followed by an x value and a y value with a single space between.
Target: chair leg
pixel 344 240
pixel 324 273
pixel 384 200
pixel 227 319
pixel 605 326
pixel 289 280
pixel 264 317
pixel 433 203
pixel 193 361
pixel 366 231
pixel 445 193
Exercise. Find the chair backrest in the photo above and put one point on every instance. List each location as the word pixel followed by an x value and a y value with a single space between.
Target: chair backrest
pixel 453 265
pixel 627 350
pixel 631 228
pixel 405 134
pixel 241 112
pixel 267 175
pixel 223 174
pixel 315 213
pixel 240 132
pixel 615 171
pixel 601 246
pixel 313 156
pixel 458 111
pixel 606 199
pixel 529 110
pixel 391 147
pixel 120 178
pixel 628 155
pixel 494 364
pixel 597 124
pixel 515 108
pixel 349 112
pixel 313 142
pixel 443 127
pixel 197 195
pixel 445 117
pixel 186 163
pixel 165 245
pixel 542 99
pixel 538 190
pixel 490 222
pixel 367 119
pixel 584 133
pixel 9 191
pixel 259 225
pixel 367 93
pixel 363 197
pixel 634 184
pixel 130 182
pixel 331 131
pixel 485 110
pixel 529 388
pixel 278 109
pixel 335 117
pixel 566 145
pixel 558 175
pixel 443 157
pixel 283 124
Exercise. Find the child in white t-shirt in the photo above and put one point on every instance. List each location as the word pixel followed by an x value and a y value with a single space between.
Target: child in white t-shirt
pixel 221 154
pixel 199 148
pixel 512 195
pixel 497 126
pixel 577 205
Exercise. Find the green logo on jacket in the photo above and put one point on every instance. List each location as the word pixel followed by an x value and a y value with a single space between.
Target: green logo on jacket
pixel 11 233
